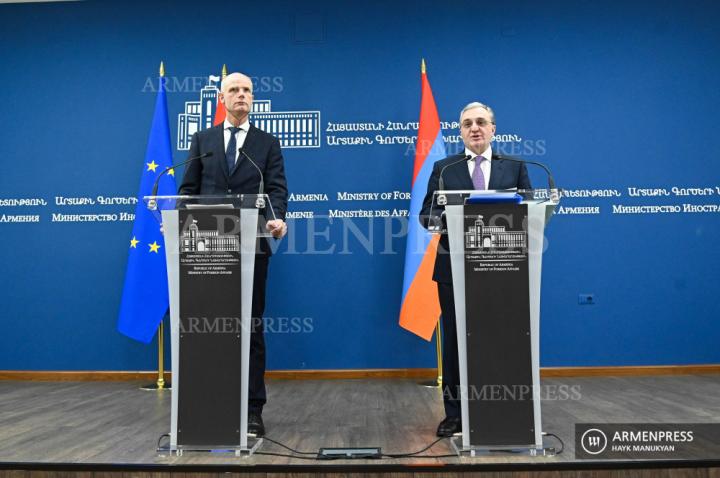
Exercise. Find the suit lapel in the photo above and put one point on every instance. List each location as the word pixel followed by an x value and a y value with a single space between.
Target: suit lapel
pixel 461 175
pixel 496 173
pixel 247 147
pixel 219 148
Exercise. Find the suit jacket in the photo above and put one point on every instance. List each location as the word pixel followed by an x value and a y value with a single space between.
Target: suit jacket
pixel 503 175
pixel 211 175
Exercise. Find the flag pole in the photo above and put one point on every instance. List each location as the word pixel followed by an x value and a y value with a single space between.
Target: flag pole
pixel 438 346
pixel 160 383
pixel 437 383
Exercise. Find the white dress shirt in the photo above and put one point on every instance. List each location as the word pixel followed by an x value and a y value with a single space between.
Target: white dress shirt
pixel 485 163
pixel 239 136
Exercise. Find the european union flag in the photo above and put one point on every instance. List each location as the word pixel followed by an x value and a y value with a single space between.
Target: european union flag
pixel 145 293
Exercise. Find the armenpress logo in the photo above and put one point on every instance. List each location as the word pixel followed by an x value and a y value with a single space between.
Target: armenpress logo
pixel 594 441
pixel 294 129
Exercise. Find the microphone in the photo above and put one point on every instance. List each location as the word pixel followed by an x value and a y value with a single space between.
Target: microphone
pixel 440 181
pixel 434 222
pixel 157 180
pixel 551 181
pixel 261 190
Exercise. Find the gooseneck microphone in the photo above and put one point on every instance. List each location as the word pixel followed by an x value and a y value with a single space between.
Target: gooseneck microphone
pixel 551 180
pixel 194 158
pixel 261 189
pixel 441 183
pixel 260 201
pixel 434 222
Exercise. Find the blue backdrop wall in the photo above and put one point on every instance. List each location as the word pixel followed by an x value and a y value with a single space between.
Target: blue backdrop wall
pixel 619 98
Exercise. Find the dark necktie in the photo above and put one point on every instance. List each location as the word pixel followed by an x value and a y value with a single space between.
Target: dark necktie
pixel 478 178
pixel 231 150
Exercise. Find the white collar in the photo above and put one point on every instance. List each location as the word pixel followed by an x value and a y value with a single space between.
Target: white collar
pixel 244 126
pixel 487 154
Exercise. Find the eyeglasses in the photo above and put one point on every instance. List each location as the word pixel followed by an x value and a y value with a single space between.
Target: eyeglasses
pixel 481 122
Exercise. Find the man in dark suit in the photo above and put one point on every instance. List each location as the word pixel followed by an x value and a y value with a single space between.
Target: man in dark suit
pixel 229 171
pixel 476 168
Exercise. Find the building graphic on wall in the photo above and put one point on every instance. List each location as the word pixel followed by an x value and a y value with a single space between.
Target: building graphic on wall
pixel 195 240
pixel 294 129
pixel 480 236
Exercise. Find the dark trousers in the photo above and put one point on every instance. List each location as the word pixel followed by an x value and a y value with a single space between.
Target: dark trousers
pixel 256 394
pixel 450 369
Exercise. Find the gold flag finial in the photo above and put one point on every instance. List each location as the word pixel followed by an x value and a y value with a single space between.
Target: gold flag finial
pixel 162 69
pixel 422 66
pixel 224 71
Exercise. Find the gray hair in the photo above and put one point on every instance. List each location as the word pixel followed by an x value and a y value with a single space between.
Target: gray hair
pixel 477 104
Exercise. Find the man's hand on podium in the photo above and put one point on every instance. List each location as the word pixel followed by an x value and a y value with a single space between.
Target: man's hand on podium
pixel 277 228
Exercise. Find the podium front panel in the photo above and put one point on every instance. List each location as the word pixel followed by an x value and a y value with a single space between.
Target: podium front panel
pixel 498 328
pixel 497 309
pixel 210 327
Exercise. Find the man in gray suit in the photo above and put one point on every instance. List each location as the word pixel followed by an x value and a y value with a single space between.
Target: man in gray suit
pixel 476 168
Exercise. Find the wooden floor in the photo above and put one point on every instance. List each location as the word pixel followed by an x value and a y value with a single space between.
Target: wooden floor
pixel 116 423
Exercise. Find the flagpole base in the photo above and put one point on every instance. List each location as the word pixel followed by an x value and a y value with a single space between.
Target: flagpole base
pixel 154 386
pixel 431 383
pixel 159 385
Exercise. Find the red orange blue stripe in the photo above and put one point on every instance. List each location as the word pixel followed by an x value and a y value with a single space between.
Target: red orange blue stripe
pixel 420 309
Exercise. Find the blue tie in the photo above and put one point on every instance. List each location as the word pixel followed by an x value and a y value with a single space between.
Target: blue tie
pixel 231 150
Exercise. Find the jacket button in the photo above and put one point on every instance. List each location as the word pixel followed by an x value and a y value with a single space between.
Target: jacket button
pixel 229 191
